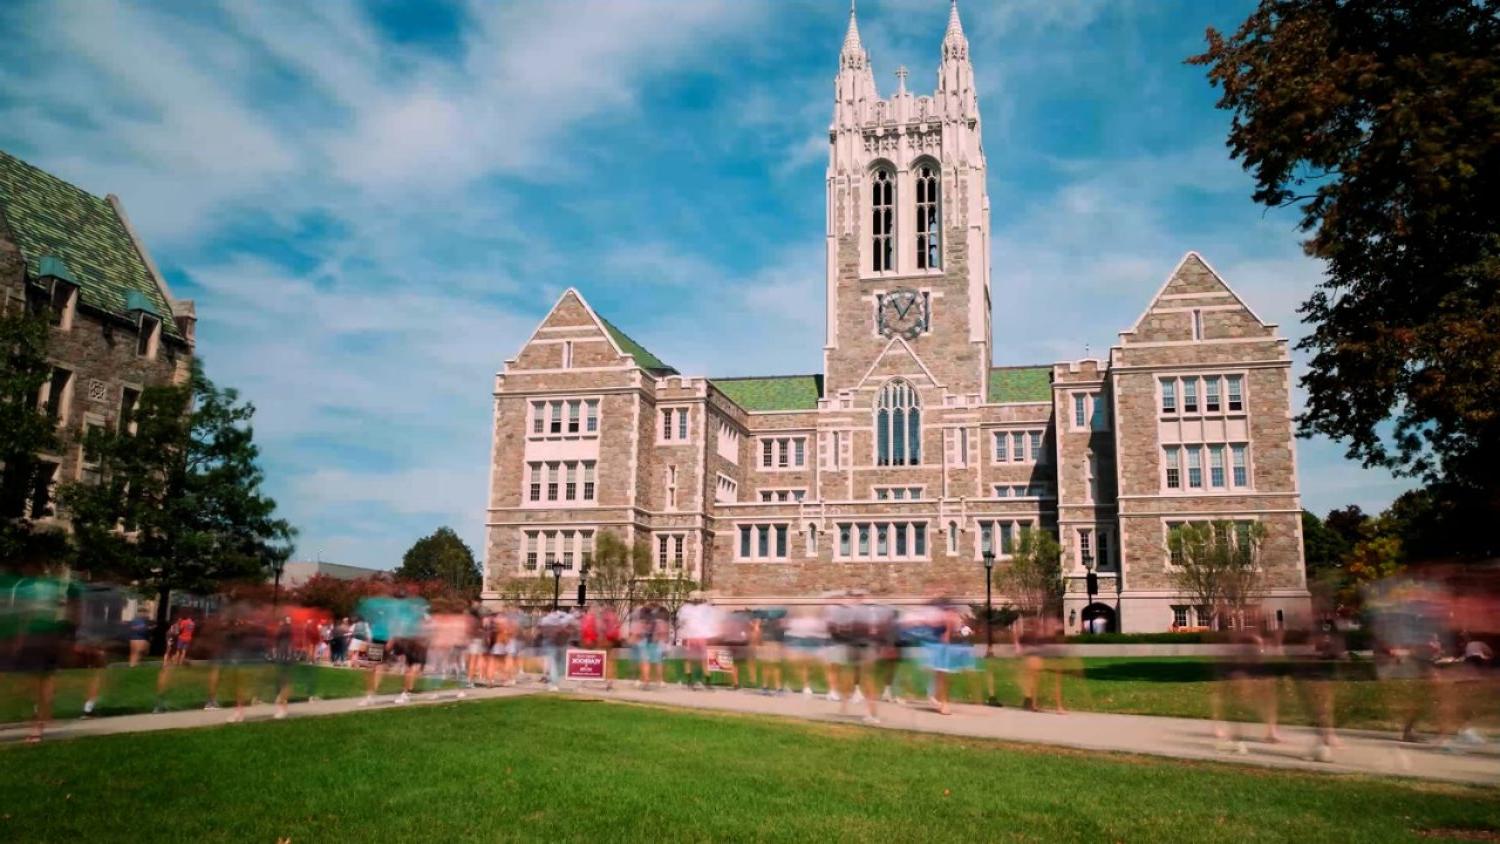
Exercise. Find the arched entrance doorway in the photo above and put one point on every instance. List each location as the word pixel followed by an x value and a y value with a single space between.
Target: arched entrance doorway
pixel 1099 618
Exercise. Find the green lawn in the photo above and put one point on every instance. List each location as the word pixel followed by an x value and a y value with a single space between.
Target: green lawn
pixel 561 768
pixel 1171 686
pixel 1176 686
pixel 130 690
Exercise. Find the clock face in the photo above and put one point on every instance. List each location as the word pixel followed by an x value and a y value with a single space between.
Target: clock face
pixel 903 312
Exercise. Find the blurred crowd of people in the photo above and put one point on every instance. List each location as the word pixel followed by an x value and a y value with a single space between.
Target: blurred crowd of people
pixel 1426 645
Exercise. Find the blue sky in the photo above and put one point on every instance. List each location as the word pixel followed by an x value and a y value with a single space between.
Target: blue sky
pixel 374 204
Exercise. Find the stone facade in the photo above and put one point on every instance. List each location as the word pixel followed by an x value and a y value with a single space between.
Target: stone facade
pixel 781 489
pixel 116 327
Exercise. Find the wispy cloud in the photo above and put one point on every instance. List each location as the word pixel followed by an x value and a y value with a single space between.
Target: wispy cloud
pixel 372 220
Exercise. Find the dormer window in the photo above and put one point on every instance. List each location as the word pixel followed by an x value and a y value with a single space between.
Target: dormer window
pixel 64 303
pixel 149 337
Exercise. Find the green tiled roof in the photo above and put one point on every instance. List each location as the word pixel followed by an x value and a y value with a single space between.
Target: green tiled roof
pixel 1020 384
pixel 643 358
pixel 53 219
pixel 781 392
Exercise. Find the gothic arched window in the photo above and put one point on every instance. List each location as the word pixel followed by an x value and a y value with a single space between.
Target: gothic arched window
pixel 929 237
pixel 883 219
pixel 898 425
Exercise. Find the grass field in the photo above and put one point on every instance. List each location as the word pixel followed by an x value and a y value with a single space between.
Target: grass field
pixel 130 690
pixel 1178 686
pixel 1173 686
pixel 572 769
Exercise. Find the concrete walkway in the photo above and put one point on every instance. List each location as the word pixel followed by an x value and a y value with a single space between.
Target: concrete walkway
pixel 1362 752
pixel 180 719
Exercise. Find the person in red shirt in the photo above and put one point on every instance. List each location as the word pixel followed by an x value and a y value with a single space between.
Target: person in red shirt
pixel 185 630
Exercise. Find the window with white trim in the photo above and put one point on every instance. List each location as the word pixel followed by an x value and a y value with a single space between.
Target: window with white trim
pixel 1091 474
pixel 573 548
pixel 762 541
pixel 1027 446
pixel 887 541
pixel 57 395
pixel 149 338
pixel 1090 412
pixel 1035 489
pixel 130 399
pixel 1241 535
pixel 1220 394
pixel 882 220
pixel 929 236
pixel 726 489
pixel 898 493
pixel 671 487
pixel 953 538
pixel 898 425
pixel 1227 464
pixel 1000 536
pixel 674 425
pixel 671 551
pixel 1197 324
pixel 565 419
pixel 783 452
pixel 567 354
pixel 565 481
pixel 768 496
pixel 812 540
pixel 1085 548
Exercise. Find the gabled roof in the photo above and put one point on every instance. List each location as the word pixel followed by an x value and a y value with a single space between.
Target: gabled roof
pixel 54 220
pixel 1009 384
pixel 643 358
pixel 1189 259
pixel 777 392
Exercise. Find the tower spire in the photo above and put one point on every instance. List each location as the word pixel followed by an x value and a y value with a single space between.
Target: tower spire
pixel 851 38
pixel 955 45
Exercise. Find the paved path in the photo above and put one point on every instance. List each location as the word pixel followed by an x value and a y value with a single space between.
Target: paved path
pixel 187 718
pixel 1362 752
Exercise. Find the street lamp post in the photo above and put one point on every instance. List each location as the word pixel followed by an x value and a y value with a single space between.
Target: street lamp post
pixel 1091 586
pixel 989 611
pixel 557 570
pixel 583 586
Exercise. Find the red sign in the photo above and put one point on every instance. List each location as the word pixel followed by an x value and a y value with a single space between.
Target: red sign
pixel 721 660
pixel 585 665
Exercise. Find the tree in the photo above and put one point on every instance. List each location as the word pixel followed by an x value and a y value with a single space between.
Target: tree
pixel 1323 547
pixel 670 592
pixel 1033 580
pixel 178 504
pixel 340 597
pixel 616 570
pixel 1217 566
pixel 1380 121
pixel 24 433
pixel 442 556
pixel 527 591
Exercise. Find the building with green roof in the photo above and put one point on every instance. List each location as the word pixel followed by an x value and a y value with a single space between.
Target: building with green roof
pixel 909 464
pixel 73 258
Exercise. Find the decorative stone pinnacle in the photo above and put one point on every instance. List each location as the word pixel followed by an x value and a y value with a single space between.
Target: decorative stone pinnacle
pixel 955 27
pixel 901 74
pixel 851 38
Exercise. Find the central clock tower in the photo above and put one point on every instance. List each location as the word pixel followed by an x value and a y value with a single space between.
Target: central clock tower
pixel 908 231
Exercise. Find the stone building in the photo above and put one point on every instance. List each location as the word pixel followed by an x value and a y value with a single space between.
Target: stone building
pixel 116 329
pixel 911 454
